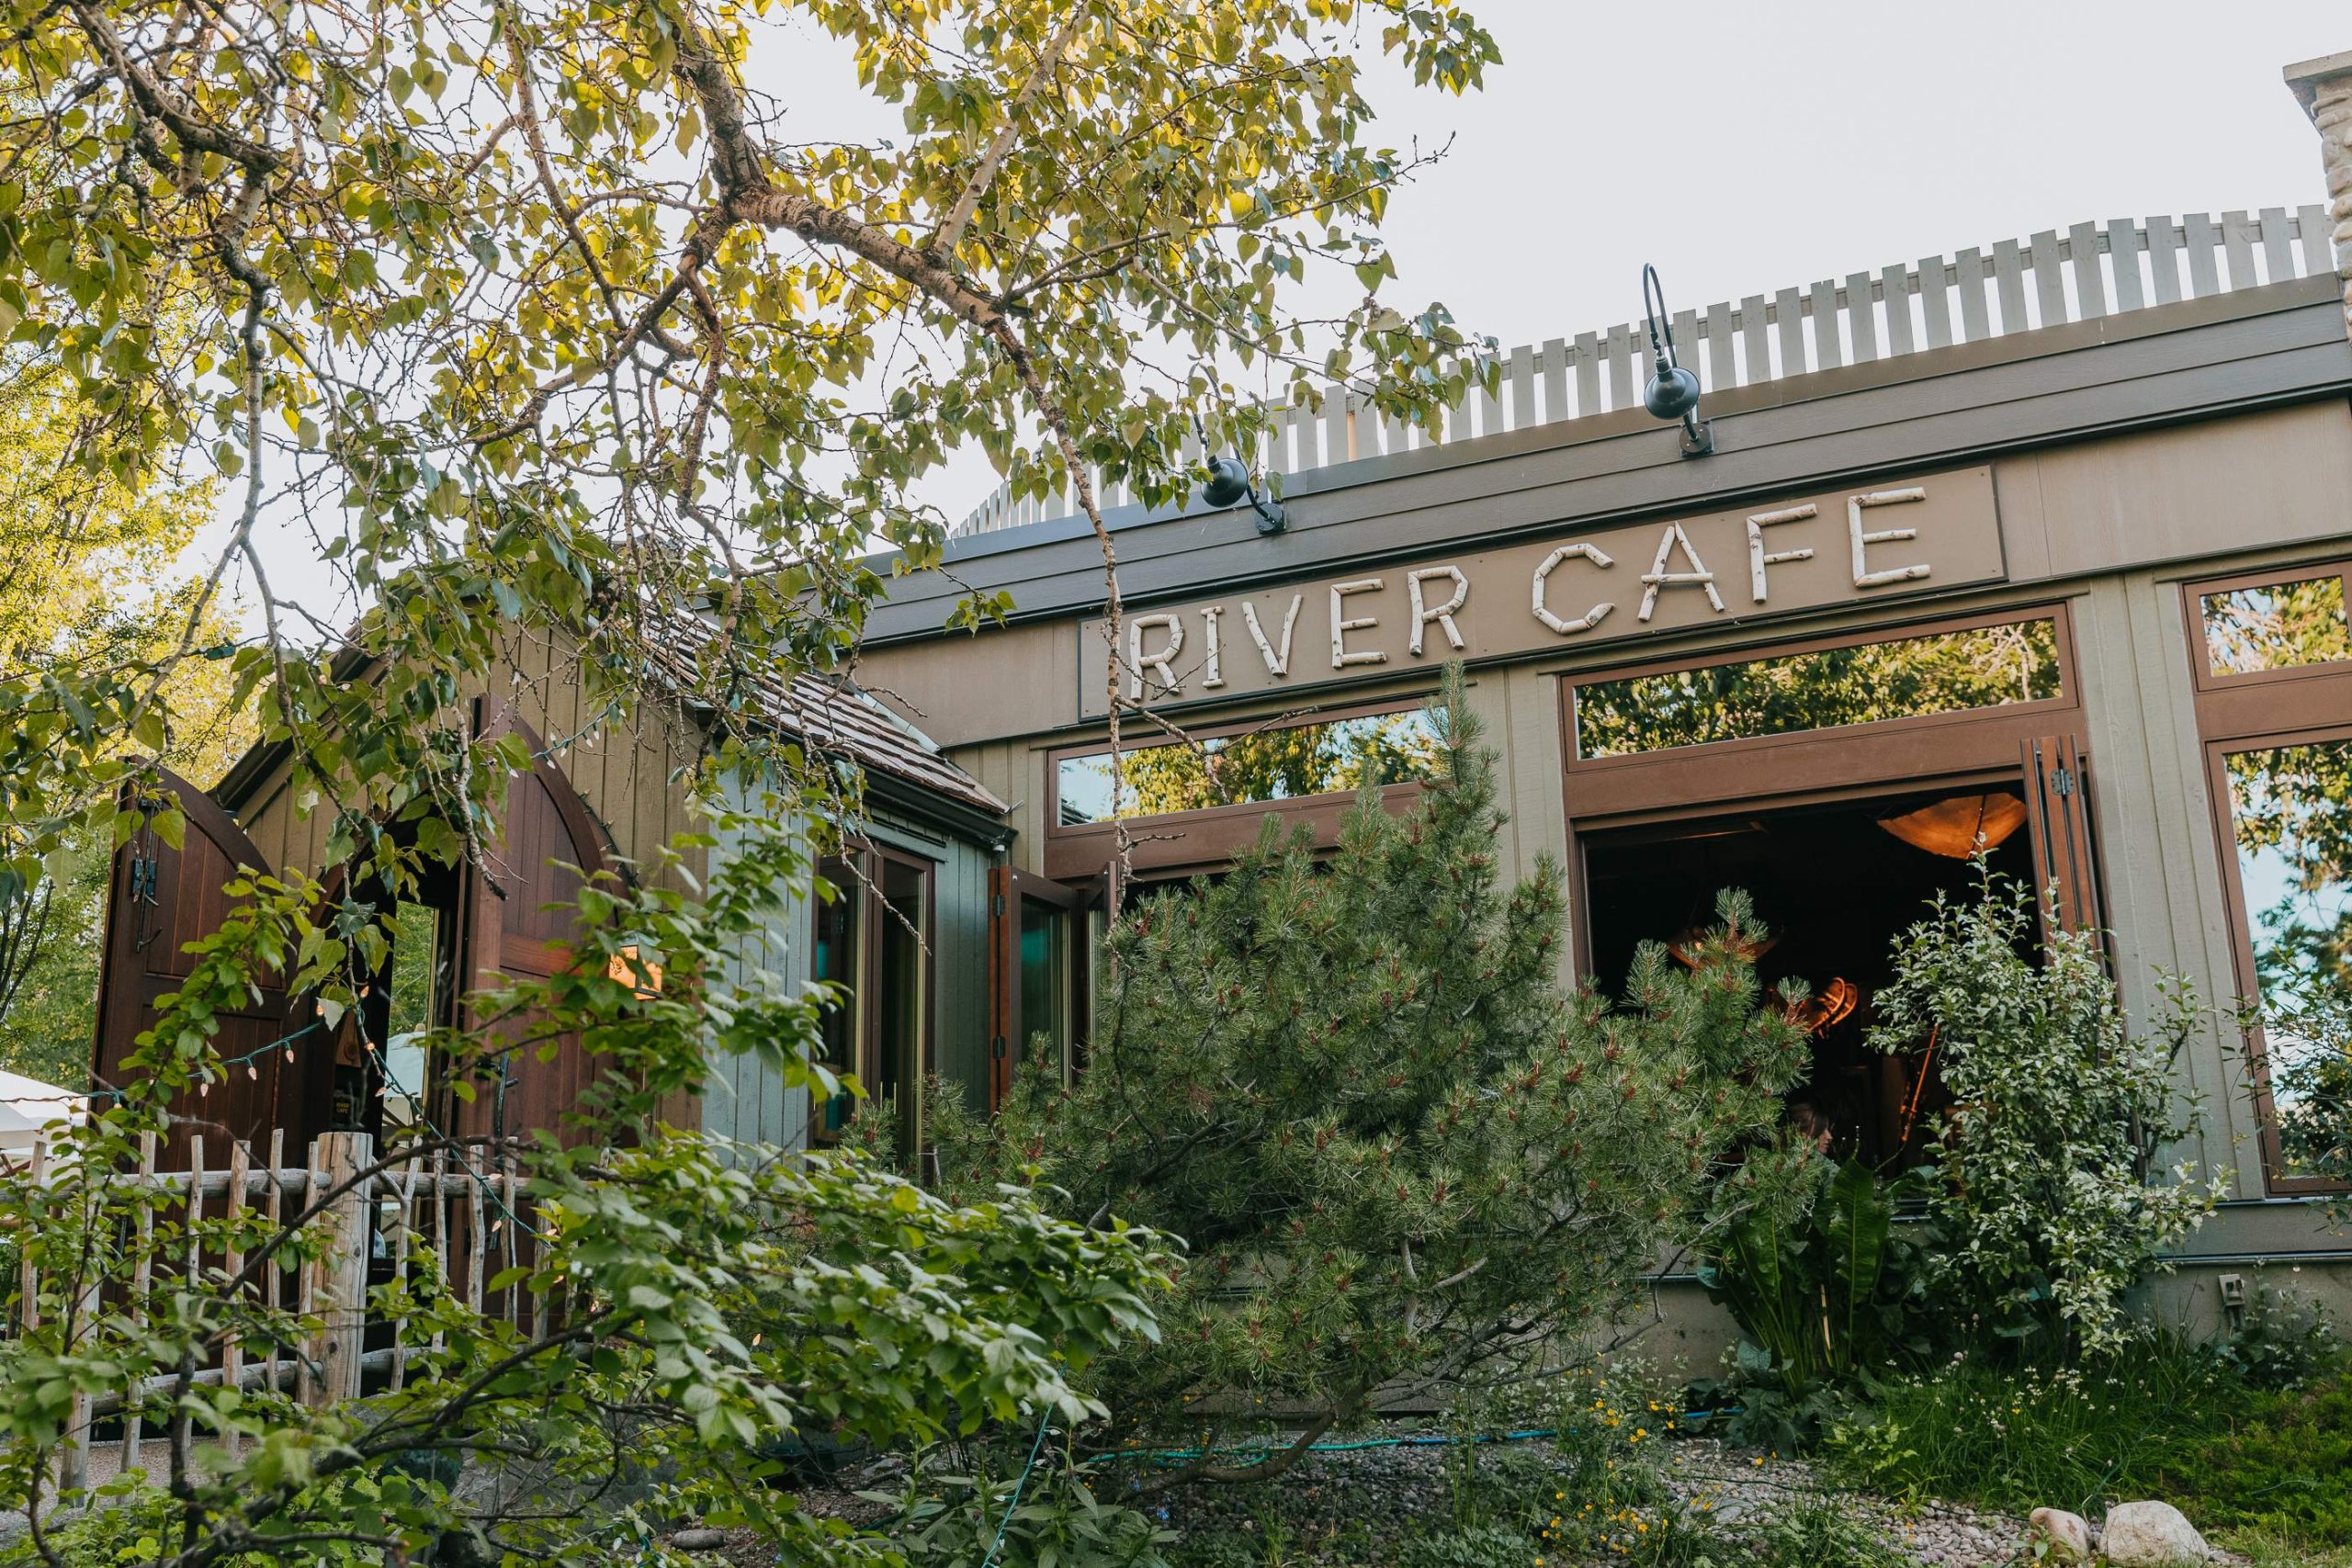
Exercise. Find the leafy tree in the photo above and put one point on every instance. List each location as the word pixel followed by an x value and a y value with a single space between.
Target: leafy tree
pixel 1283 762
pixel 2048 1188
pixel 1396 1146
pixel 88 579
pixel 536 322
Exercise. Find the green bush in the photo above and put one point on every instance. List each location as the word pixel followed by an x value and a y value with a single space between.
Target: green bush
pixel 2165 1420
pixel 1827 1292
pixel 2049 1191
pixel 1479 1546
pixel 1396 1146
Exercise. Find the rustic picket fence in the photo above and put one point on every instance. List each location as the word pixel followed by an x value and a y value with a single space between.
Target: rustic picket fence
pixel 2090 271
pixel 455 1214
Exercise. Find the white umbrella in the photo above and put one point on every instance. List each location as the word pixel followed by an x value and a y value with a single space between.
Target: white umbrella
pixel 28 1105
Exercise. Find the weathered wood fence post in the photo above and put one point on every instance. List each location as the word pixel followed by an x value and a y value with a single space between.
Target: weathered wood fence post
pixel 336 1288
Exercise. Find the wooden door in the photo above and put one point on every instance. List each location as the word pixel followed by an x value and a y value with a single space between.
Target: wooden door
pixel 547 845
pixel 159 900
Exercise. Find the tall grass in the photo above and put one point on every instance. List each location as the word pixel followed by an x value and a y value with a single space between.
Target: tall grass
pixel 2166 1420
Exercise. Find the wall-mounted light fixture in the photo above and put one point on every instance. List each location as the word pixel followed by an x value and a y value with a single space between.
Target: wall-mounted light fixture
pixel 1672 392
pixel 1230 484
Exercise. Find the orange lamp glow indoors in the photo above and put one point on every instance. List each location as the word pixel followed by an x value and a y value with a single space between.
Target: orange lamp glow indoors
pixel 1957 827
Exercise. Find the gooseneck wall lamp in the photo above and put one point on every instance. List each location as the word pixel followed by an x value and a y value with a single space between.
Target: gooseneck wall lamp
pixel 1672 392
pixel 1229 484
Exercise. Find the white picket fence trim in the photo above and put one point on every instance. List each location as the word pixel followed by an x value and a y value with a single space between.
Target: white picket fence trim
pixel 2090 270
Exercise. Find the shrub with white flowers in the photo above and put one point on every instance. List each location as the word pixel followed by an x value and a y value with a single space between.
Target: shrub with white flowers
pixel 2051 1197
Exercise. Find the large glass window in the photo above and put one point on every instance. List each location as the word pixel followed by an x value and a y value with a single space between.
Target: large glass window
pixel 2273 666
pixel 2276 625
pixel 1285 763
pixel 2290 812
pixel 1980 666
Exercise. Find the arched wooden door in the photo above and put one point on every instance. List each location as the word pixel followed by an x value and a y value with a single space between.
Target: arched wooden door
pixel 159 900
pixel 547 846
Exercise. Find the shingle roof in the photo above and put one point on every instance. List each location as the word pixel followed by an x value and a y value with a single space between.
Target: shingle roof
pixel 830 713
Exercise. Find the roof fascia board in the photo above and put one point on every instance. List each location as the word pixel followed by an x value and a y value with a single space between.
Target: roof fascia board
pixel 2206 358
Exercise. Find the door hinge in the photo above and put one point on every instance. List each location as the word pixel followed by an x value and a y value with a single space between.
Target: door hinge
pixel 2063 781
pixel 995 1047
pixel 996 905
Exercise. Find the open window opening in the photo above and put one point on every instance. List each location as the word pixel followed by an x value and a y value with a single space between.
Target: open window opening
pixel 1834 884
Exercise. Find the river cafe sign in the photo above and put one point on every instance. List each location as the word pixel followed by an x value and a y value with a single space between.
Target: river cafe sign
pixel 1588 585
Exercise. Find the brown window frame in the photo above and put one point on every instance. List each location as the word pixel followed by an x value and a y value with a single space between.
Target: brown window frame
pixel 865 860
pixel 2259 710
pixel 2027 745
pixel 1177 844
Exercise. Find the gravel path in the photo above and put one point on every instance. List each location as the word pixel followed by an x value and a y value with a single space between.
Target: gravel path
pixel 1331 1503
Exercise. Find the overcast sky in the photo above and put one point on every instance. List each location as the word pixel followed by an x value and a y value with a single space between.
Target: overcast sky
pixel 1747 147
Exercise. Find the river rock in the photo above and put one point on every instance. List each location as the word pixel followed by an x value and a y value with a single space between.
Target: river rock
pixel 2152 1534
pixel 2068 1535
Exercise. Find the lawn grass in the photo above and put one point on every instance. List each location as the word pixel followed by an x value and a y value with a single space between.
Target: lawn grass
pixel 2260 1469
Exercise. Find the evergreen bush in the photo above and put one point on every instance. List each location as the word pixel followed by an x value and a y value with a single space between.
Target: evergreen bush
pixel 1397 1144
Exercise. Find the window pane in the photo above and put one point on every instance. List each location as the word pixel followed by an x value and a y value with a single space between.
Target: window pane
pixel 2291 809
pixel 1980 668
pixel 1045 974
pixel 415 1005
pixel 2276 626
pixel 835 960
pixel 1287 763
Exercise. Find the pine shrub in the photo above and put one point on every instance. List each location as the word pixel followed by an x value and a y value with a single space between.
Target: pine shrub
pixel 1397 1144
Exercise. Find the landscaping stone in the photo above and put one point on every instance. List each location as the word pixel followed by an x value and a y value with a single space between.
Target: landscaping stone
pixel 2068 1536
pixel 2152 1534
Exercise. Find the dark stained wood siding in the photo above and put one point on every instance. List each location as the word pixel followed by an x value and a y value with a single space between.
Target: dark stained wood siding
pixel 160 899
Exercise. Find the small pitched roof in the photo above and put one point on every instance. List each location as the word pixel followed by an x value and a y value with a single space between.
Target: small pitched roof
pixel 832 713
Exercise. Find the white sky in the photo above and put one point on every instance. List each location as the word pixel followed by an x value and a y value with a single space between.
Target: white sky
pixel 1745 147
pixel 1782 142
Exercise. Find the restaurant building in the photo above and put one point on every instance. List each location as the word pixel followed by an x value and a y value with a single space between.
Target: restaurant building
pixel 2045 541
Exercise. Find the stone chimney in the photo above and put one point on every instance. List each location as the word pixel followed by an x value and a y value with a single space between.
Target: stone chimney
pixel 2324 88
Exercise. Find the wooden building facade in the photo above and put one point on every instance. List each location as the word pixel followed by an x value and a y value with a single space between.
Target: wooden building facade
pixel 2046 542
pixel 908 938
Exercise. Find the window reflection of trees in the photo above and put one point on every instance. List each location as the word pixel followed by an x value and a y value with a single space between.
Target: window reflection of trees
pixel 2292 807
pixel 1823 689
pixel 2276 626
pixel 1284 762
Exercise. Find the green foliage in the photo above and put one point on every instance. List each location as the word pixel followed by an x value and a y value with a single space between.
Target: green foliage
pixel 1477 1546
pixel 523 323
pixel 1833 1290
pixel 2283 1341
pixel 2309 1064
pixel 2048 1194
pixel 709 1296
pixel 1780 695
pixel 1822 1532
pixel 1044 1517
pixel 2163 1419
pixel 1396 1145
